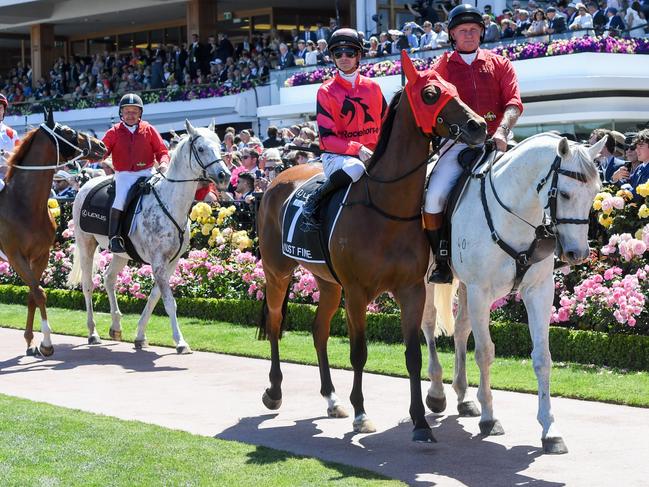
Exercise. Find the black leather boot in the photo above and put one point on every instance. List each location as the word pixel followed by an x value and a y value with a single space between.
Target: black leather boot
pixel 442 273
pixel 337 180
pixel 115 241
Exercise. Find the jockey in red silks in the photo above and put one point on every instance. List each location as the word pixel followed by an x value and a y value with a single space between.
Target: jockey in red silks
pixel 8 137
pixel 135 146
pixel 487 83
pixel 350 111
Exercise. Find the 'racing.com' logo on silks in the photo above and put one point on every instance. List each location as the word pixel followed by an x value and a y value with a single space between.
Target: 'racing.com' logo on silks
pixel 349 107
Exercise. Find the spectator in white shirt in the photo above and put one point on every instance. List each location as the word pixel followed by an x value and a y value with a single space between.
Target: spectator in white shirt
pixel 583 20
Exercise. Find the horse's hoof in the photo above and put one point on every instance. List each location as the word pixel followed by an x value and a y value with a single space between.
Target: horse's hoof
pixel 436 404
pixel 337 412
pixel 269 402
pixel 554 446
pixel 491 428
pixel 468 409
pixel 33 352
pixel 362 424
pixel 94 340
pixel 183 350
pixel 115 335
pixel 140 344
pixel 423 435
pixel 46 351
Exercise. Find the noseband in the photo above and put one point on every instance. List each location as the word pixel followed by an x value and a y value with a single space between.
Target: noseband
pixel 546 233
pixel 68 150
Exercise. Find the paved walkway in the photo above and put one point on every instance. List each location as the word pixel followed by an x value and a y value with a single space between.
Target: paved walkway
pixel 219 395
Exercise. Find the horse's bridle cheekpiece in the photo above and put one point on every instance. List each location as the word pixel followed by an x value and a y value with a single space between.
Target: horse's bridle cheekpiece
pixel 545 239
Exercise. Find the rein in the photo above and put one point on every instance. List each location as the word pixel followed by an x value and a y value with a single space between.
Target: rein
pixel 55 136
pixel 165 210
pixel 545 234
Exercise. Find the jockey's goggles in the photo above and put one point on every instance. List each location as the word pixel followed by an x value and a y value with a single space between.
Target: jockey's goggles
pixel 345 51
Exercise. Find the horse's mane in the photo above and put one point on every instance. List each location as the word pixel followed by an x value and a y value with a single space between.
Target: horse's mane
pixel 586 166
pixel 386 130
pixel 18 156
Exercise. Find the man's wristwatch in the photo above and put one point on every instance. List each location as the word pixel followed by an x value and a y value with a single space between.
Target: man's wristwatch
pixel 505 128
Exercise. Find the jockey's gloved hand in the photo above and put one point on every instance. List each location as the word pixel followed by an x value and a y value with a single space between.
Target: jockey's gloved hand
pixel 162 168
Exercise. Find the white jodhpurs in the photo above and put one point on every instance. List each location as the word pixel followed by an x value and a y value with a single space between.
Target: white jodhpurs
pixel 352 166
pixel 445 174
pixel 123 182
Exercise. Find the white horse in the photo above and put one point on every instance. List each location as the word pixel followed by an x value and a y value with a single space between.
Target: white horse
pixel 543 180
pixel 161 233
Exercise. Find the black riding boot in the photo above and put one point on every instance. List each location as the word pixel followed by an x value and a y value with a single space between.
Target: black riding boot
pixel 442 273
pixel 337 180
pixel 115 241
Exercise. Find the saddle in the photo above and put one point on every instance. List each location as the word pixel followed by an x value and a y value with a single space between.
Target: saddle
pixel 472 159
pixel 95 211
pixel 312 246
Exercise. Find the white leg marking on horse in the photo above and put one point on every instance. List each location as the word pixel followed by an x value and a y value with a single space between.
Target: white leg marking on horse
pixel 45 329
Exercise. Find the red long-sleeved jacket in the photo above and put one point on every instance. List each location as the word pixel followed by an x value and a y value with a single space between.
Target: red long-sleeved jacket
pixel 349 118
pixel 135 151
pixel 487 86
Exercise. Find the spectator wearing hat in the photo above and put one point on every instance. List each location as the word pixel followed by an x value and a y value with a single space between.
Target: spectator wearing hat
pixel 571 13
pixel 610 159
pixel 640 174
pixel 583 20
pixel 491 30
pixel 631 156
pixel 61 184
pixel 556 23
pixel 615 22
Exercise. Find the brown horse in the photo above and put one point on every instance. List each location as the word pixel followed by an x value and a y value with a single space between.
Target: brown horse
pixel 26 226
pixel 377 246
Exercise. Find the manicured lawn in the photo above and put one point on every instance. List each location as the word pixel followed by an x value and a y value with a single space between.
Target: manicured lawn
pixel 42 444
pixel 515 374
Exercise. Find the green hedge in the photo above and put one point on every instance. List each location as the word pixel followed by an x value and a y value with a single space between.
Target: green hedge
pixel 511 339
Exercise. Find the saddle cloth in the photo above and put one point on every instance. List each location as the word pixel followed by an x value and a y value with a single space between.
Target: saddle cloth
pixel 95 211
pixel 312 246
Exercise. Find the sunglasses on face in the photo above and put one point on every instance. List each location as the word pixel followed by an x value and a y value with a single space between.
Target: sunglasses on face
pixel 630 147
pixel 247 156
pixel 338 53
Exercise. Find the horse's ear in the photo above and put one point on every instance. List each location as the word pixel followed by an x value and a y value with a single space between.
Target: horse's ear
pixel 212 126
pixel 408 68
pixel 564 148
pixel 190 128
pixel 50 118
pixel 596 149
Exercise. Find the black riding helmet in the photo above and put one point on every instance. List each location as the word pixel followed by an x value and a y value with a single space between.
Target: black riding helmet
pixel 130 100
pixel 465 14
pixel 345 38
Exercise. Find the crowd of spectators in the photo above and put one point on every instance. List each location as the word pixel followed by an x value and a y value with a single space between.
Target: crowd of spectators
pixel 217 61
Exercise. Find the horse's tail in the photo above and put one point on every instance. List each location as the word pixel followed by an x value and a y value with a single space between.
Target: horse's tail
pixel 444 305
pixel 262 333
pixel 74 277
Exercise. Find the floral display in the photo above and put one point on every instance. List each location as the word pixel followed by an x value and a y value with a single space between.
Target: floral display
pixel 531 50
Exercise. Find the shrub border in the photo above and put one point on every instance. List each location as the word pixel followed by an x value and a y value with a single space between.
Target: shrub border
pixel 510 339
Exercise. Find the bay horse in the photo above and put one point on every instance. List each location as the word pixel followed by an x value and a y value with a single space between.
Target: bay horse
pixel 27 228
pixel 544 187
pixel 375 247
pixel 161 233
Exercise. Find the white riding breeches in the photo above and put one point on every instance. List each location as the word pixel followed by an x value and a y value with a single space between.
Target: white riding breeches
pixel 352 166
pixel 123 182
pixel 445 174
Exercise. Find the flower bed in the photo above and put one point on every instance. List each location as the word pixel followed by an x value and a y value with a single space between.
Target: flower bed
pixel 517 52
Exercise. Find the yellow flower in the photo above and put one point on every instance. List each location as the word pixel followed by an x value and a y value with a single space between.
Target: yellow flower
pixel 638 234
pixel 55 212
pixel 206 229
pixel 52 203
pixel 626 194
pixel 643 212
pixel 643 189
pixel 602 196
pixel 597 205
pixel 605 221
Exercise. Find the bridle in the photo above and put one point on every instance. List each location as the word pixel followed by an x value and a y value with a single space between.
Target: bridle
pixel 204 167
pixel 545 234
pixel 194 152
pixel 67 150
